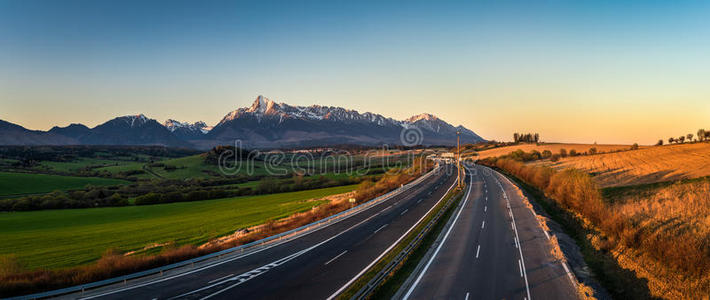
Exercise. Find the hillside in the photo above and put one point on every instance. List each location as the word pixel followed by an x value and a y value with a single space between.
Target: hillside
pixel 553 147
pixel 646 165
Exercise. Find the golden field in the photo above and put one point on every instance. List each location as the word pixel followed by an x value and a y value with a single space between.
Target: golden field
pixel 668 241
pixel 646 165
pixel 554 148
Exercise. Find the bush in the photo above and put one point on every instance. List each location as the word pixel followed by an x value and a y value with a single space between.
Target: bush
pixel 563 152
pixel 546 154
pixel 149 198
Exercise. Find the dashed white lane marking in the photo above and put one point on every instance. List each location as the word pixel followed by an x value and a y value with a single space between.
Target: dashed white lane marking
pixel 396 242
pixel 404 212
pixel 521 268
pixel 378 229
pixel 443 240
pixel 478 249
pixel 336 257
pixel 485 208
pixel 466 296
pixel 483 225
pixel 218 279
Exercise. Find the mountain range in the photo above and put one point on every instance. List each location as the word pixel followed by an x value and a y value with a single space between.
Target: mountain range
pixel 265 124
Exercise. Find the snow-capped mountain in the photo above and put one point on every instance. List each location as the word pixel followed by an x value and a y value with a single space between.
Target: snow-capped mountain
pixel 185 130
pixel 264 124
pixel 266 108
pixel 267 123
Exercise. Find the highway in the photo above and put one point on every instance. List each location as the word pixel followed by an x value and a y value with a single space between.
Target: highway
pixel 316 265
pixel 494 249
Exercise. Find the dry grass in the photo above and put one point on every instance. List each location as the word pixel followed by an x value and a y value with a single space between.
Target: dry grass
pixel 554 148
pixel 646 165
pixel 671 236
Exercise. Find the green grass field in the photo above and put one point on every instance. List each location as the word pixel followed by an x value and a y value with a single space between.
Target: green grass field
pixel 65 238
pixel 20 183
pixel 79 163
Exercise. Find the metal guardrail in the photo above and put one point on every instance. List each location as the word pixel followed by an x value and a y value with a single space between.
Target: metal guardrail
pixel 160 270
pixel 367 290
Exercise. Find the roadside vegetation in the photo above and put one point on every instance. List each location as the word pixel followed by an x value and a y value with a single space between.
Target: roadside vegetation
pixel 661 232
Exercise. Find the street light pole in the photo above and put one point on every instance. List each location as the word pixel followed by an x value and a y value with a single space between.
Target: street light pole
pixel 458 158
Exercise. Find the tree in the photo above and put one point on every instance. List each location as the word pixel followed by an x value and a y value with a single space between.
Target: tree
pixel 701 134
pixel 690 137
pixel 573 152
pixel 546 154
pixel 660 143
pixel 681 139
pixel 671 140
pixel 516 137
pixel 635 146
pixel 536 137
pixel 592 151
pixel 563 152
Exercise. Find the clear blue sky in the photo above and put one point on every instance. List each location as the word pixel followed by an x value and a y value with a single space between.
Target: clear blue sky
pixel 577 71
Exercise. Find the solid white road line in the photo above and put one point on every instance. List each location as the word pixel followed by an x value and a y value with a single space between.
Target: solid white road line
pixel 426 267
pixel 218 279
pixel 520 247
pixel 378 229
pixel 478 249
pixel 256 272
pixel 336 257
pixel 342 288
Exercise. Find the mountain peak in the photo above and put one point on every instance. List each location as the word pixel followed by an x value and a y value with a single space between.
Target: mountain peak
pixel 197 127
pixel 262 105
pixel 423 116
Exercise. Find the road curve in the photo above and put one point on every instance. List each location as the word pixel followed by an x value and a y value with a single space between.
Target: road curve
pixel 313 266
pixel 494 249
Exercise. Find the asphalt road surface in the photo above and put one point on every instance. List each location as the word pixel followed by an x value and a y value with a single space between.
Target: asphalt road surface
pixel 495 249
pixel 314 266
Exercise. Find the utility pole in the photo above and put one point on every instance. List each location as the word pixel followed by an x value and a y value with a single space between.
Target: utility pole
pixel 459 180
